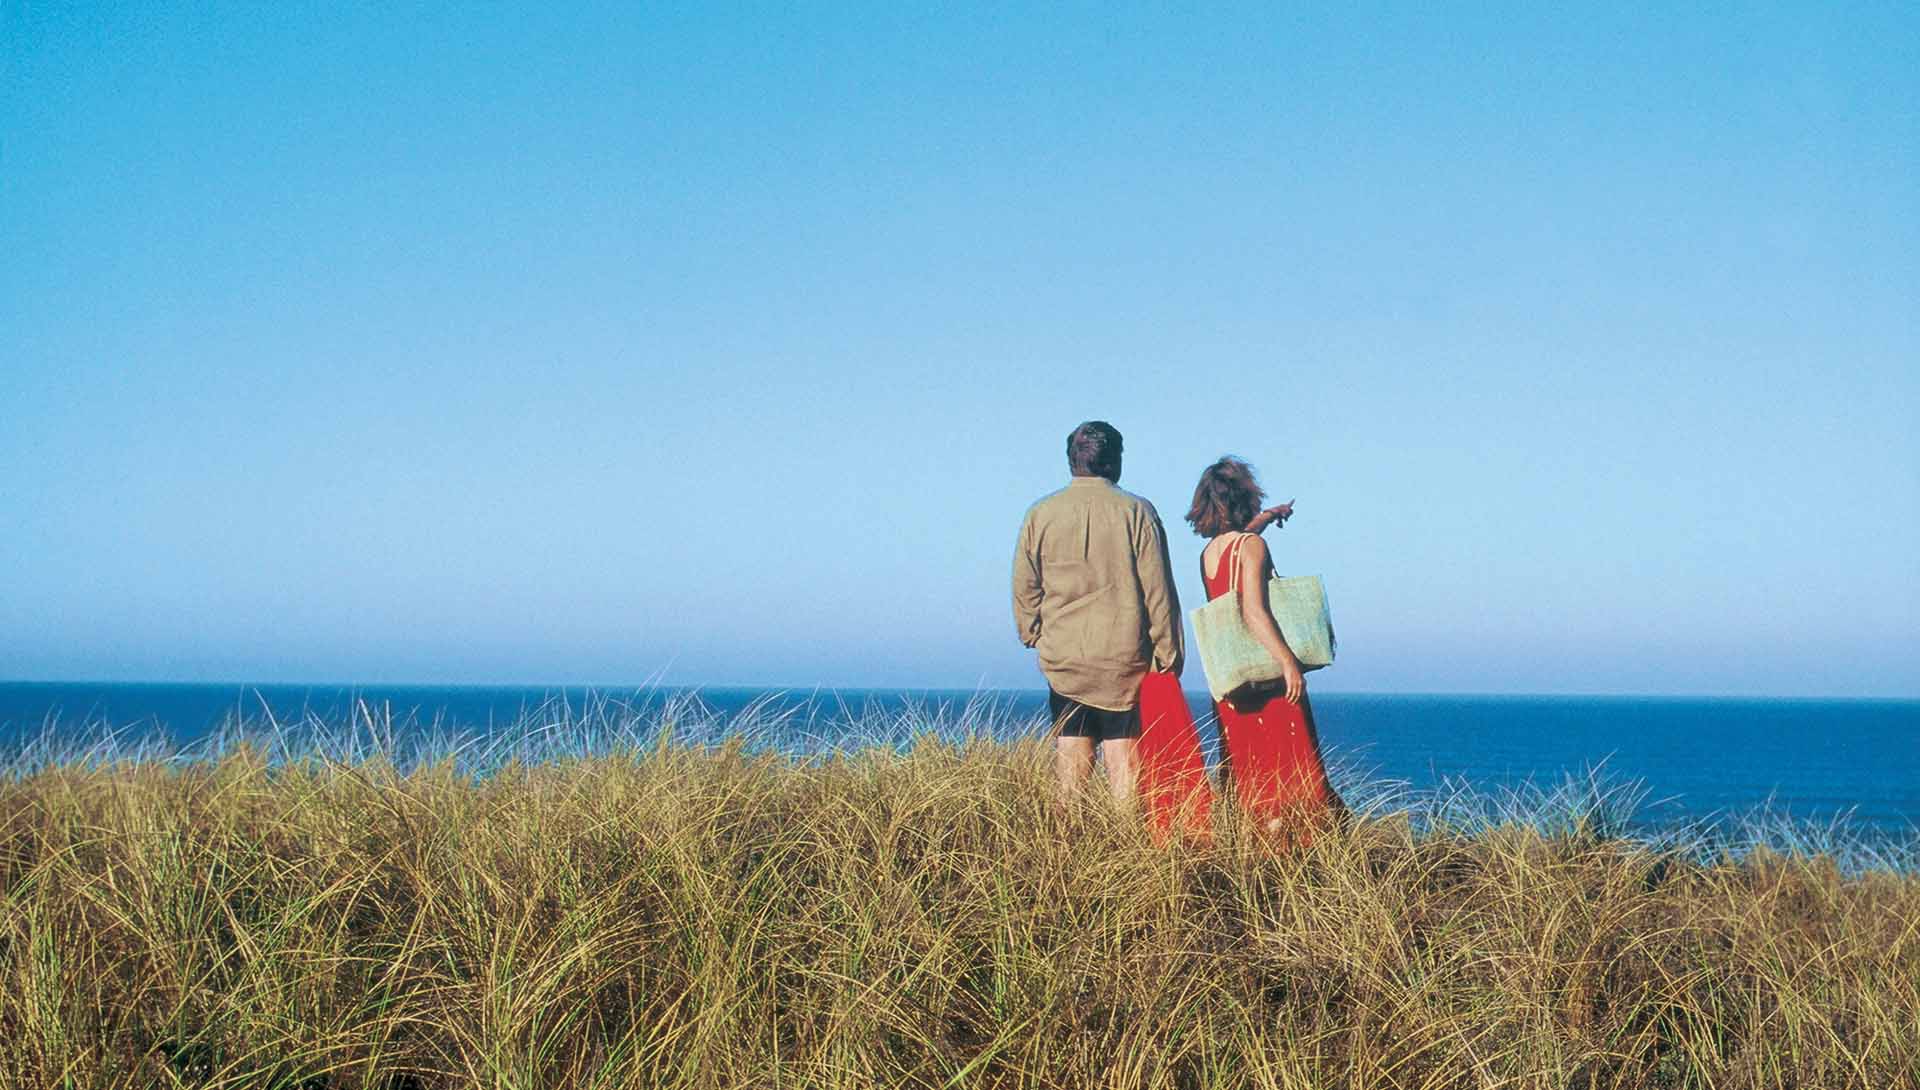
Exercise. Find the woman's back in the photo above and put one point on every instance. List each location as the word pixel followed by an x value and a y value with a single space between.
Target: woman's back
pixel 1217 560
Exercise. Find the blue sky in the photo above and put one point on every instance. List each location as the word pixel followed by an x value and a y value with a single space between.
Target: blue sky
pixel 715 344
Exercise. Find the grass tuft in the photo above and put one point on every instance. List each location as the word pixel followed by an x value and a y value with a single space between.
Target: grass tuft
pixel 653 895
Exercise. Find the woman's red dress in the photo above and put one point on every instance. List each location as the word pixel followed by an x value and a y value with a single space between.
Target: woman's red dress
pixel 1269 747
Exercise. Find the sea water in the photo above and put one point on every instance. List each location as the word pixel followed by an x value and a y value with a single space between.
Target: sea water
pixel 1855 762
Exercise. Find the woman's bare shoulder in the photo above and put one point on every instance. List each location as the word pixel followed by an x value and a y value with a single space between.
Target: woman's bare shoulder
pixel 1214 552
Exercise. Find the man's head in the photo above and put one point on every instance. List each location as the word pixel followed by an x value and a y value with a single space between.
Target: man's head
pixel 1093 450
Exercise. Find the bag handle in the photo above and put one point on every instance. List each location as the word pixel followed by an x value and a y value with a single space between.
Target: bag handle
pixel 1233 557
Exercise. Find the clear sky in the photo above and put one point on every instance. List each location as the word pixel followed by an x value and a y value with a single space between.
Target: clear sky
pixel 723 344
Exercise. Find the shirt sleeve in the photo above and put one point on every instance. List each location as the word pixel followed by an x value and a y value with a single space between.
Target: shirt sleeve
pixel 1162 602
pixel 1026 585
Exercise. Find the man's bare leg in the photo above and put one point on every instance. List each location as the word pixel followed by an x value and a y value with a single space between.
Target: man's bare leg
pixel 1072 765
pixel 1123 766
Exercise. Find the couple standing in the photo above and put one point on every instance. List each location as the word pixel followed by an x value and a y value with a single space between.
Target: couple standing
pixel 1093 593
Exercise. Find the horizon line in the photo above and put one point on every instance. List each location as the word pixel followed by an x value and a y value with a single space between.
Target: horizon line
pixel 593 687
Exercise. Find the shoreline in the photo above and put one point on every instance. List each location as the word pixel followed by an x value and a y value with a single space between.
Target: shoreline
pixel 562 730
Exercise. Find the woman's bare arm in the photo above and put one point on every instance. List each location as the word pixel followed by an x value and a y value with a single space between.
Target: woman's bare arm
pixel 1259 618
pixel 1277 515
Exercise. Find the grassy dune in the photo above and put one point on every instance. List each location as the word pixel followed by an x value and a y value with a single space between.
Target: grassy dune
pixel 672 914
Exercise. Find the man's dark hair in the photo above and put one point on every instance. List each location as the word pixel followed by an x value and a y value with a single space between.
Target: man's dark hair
pixel 1093 450
pixel 1226 499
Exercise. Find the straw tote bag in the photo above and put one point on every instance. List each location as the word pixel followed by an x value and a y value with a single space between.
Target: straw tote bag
pixel 1230 655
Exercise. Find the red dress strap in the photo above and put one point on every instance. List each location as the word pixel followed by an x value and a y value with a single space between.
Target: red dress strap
pixel 1222 580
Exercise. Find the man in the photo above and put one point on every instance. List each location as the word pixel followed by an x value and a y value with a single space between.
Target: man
pixel 1093 592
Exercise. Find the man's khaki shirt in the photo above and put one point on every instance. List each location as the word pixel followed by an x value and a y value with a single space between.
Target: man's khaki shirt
pixel 1093 592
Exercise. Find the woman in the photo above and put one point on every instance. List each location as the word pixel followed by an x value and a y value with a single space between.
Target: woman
pixel 1269 747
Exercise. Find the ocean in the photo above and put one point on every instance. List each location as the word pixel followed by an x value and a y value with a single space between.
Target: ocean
pixel 1849 762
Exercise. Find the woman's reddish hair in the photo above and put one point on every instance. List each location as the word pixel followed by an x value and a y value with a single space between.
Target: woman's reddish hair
pixel 1226 498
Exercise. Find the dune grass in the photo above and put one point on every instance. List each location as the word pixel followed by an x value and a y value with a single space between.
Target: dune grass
pixel 679 906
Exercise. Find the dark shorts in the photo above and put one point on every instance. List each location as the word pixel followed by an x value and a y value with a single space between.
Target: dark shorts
pixel 1077 720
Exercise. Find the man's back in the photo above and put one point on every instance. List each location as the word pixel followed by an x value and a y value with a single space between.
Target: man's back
pixel 1092 591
